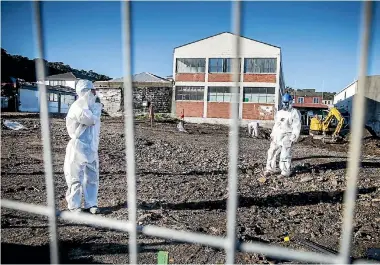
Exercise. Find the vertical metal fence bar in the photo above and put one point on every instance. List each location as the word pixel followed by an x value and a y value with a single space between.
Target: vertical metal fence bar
pixel 232 202
pixel 356 139
pixel 45 133
pixel 129 128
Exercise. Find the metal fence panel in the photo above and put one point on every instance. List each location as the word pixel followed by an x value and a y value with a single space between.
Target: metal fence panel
pixel 230 243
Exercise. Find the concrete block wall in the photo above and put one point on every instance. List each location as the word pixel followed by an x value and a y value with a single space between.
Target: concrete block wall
pixel 161 97
pixel 112 98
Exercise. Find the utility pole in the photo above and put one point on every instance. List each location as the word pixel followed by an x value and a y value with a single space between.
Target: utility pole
pixel 323 88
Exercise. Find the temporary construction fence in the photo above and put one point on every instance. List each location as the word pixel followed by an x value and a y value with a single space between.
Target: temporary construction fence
pixel 229 243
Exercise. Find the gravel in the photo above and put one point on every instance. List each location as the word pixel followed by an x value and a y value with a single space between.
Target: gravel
pixel 182 184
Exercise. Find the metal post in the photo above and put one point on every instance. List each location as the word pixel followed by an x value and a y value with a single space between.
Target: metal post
pixel 356 139
pixel 232 202
pixel 45 132
pixel 129 128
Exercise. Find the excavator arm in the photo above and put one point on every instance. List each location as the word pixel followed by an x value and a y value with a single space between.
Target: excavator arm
pixel 334 113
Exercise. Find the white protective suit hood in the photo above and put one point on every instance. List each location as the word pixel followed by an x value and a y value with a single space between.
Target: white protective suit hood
pixel 86 98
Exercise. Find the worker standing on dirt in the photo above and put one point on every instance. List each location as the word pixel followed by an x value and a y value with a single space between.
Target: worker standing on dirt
pixel 81 165
pixel 253 129
pixel 285 132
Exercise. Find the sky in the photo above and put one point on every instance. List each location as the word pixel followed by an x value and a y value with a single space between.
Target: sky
pixel 319 40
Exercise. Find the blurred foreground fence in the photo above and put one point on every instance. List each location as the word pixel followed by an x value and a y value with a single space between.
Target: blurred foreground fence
pixel 229 243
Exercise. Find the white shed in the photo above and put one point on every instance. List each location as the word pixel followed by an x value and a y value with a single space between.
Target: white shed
pixel 59 99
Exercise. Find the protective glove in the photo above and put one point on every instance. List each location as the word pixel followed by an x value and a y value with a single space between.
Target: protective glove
pixel 293 138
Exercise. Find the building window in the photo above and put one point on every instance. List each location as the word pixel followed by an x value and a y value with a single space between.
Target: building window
pixel 190 65
pixel 300 100
pixel 260 65
pixel 221 65
pixel 189 93
pixel 315 100
pixel 52 97
pixel 219 94
pixel 259 94
pixel 67 99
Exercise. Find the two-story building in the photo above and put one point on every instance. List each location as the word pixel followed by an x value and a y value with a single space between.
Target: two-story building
pixel 202 72
pixel 309 102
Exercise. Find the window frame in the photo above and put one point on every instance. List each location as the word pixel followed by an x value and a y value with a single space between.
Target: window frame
pixel 224 63
pixel 249 66
pixel 220 92
pixel 298 100
pixel 314 100
pixel 198 65
pixel 260 92
pixel 53 97
pixel 199 91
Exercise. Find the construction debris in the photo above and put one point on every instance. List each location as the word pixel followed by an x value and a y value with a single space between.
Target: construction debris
pixel 13 125
pixel 180 126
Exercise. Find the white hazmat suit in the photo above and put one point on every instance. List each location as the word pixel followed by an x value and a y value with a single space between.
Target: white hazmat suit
pixel 81 165
pixel 285 132
pixel 253 129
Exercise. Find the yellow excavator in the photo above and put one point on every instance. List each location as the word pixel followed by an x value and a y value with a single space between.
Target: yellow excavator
pixel 318 127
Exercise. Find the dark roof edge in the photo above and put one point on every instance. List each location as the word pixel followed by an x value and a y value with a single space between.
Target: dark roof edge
pixel 229 33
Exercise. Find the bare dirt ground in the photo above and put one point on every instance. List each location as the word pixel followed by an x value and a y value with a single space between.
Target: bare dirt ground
pixel 182 184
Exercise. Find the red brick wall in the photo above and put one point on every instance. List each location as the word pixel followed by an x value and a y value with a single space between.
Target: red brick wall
pixel 252 111
pixel 307 99
pixel 192 108
pixel 266 78
pixel 221 77
pixel 199 77
pixel 218 110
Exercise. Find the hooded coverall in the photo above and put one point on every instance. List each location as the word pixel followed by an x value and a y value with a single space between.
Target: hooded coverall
pixel 81 166
pixel 253 129
pixel 285 132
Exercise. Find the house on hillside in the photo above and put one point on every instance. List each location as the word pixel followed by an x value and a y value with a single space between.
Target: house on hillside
pixel 344 100
pixel 147 87
pixel 66 79
pixel 203 79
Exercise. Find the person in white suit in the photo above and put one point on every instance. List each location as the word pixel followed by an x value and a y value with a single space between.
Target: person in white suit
pixel 253 129
pixel 285 133
pixel 81 166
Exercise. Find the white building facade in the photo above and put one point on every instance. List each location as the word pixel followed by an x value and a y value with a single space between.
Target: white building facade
pixel 202 72
pixel 345 99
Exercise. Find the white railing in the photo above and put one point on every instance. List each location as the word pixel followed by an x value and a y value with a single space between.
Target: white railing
pixel 229 243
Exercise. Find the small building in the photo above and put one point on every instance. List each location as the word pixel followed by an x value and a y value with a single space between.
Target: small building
pixel 344 100
pixel 59 98
pixel 147 87
pixel 203 76
pixel 66 79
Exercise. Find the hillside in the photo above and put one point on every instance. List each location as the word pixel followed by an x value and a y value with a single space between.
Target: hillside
pixel 24 68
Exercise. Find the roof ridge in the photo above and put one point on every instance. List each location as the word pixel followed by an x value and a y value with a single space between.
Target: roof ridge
pixel 228 33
